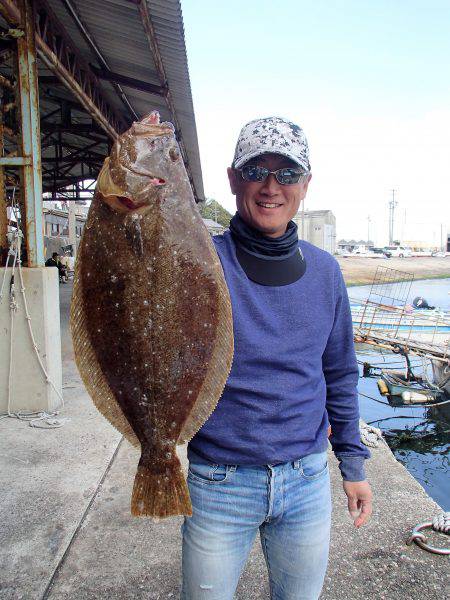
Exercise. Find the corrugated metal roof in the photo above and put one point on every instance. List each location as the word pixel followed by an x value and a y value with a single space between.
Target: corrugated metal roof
pixel 117 29
pixel 211 223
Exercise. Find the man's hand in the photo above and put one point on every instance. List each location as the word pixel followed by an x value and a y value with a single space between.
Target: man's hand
pixel 359 497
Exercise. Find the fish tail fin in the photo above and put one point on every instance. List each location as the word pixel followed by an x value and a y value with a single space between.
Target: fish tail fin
pixel 160 494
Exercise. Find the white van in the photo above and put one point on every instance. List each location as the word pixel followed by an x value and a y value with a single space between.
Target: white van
pixel 398 251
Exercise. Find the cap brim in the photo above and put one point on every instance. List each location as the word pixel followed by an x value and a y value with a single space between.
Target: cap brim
pixel 243 159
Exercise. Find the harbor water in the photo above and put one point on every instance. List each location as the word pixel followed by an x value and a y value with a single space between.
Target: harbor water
pixel 418 437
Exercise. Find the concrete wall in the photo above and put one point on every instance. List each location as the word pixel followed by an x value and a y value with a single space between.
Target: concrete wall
pixel 29 389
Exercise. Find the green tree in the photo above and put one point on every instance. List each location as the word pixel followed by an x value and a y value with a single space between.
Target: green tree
pixel 211 209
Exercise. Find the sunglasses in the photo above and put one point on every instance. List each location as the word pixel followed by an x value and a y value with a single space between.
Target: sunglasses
pixel 286 176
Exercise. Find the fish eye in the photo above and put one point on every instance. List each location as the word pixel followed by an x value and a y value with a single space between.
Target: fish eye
pixel 174 153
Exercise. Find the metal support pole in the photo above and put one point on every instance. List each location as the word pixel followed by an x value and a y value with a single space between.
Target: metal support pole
pixel 3 205
pixel 31 145
pixel 72 228
pixel 15 161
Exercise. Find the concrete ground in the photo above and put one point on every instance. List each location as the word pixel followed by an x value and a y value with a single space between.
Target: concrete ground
pixel 66 531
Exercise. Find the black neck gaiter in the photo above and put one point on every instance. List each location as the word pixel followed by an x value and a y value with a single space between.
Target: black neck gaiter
pixel 265 260
pixel 257 243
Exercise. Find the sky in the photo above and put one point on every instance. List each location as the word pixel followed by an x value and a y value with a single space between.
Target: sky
pixel 367 81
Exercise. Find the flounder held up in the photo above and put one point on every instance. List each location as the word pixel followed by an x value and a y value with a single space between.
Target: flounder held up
pixel 151 315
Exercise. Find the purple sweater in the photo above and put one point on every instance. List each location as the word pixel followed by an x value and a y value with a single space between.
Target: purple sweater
pixel 294 370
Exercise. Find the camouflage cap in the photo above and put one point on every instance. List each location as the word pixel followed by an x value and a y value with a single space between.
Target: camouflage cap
pixel 274 135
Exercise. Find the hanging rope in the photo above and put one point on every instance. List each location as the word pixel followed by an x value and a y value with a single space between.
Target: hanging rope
pixel 40 419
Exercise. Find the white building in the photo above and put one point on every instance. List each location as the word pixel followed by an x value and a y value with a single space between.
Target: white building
pixel 56 226
pixel 354 245
pixel 317 227
pixel 213 227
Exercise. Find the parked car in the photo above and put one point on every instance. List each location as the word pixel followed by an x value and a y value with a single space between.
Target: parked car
pixel 379 253
pixel 398 251
pixel 439 253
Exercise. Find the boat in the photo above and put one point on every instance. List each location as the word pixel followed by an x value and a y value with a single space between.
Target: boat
pixel 401 391
pixel 431 326
pixel 441 373
pixel 441 378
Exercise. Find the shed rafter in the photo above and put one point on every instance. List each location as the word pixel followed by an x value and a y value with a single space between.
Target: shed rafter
pixel 154 47
pixel 55 49
pixel 95 60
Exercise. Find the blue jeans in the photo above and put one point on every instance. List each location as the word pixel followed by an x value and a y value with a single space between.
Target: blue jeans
pixel 290 504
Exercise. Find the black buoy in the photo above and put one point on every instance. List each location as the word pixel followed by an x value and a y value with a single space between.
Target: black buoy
pixel 420 302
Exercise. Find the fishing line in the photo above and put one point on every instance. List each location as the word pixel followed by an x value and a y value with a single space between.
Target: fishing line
pixel 393 417
pixel 372 398
pixel 393 364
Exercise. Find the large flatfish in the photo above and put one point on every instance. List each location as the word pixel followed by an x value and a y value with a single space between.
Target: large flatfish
pixel 151 315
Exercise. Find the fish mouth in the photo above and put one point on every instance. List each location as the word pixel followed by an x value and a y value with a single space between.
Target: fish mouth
pixel 153 179
pixel 153 182
pixel 132 204
pixel 127 202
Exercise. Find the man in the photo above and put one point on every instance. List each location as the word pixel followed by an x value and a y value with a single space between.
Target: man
pixel 54 262
pixel 260 462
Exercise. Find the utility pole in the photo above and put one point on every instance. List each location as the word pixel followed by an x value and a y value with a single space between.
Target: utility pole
pixel 392 204
pixel 368 230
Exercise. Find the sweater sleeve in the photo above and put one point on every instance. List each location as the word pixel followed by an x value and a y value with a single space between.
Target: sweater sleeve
pixel 341 375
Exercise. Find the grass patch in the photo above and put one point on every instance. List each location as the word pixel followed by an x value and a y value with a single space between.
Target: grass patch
pixel 354 282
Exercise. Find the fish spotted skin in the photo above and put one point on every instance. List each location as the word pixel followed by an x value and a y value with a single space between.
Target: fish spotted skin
pixel 151 303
